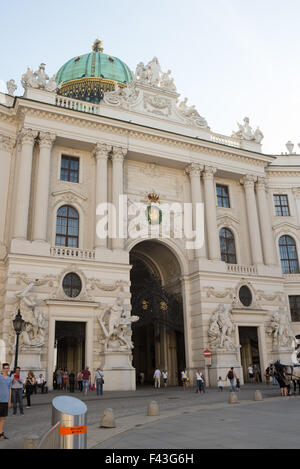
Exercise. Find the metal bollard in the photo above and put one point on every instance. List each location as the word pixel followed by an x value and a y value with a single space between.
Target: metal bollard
pixel 71 415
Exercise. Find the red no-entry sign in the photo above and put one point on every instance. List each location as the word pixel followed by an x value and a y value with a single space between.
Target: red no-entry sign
pixel 207 353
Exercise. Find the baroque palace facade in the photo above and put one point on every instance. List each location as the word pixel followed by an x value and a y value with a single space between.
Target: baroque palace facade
pixel 96 134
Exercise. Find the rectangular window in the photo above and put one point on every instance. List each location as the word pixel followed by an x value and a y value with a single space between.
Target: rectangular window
pixel 295 308
pixel 69 170
pixel 281 203
pixel 223 196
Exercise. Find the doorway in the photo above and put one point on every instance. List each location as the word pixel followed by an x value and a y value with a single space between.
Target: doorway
pixel 250 351
pixel 158 336
pixel 70 343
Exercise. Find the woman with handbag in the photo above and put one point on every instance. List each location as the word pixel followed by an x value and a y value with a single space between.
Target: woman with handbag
pixel 29 386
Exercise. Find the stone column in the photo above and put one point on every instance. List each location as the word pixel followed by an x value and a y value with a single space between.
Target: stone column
pixel 214 252
pixel 42 187
pixel 118 155
pixel 6 146
pixel 254 233
pixel 27 137
pixel 101 154
pixel 268 242
pixel 194 171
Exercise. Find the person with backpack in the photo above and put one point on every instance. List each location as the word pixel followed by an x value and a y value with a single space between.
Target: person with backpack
pixel 231 376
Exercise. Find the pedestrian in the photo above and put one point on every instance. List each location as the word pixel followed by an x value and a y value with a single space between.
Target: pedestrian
pixel 203 382
pixel 231 376
pixel 29 386
pixel 65 379
pixel 238 384
pixel 251 373
pixel 256 374
pixel 17 379
pixel 267 375
pixel 220 384
pixel 86 380
pixel 99 381
pixel 5 398
pixel 165 378
pixel 157 377
pixel 184 379
pixel 80 381
pixel 199 380
pixel 71 381
pixel 41 383
pixel 59 374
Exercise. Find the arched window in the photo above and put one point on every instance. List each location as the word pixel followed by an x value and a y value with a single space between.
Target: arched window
pixel 288 255
pixel 227 245
pixel 67 227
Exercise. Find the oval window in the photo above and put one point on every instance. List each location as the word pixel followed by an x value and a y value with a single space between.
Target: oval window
pixel 72 285
pixel 245 296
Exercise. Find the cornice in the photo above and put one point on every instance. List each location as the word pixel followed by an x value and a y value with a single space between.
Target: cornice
pixel 134 130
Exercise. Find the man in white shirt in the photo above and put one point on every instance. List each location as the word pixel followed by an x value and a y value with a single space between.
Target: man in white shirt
pixel 251 373
pixel 41 382
pixel 157 376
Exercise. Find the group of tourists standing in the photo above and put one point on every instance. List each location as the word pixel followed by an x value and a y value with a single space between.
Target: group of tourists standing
pixel 62 380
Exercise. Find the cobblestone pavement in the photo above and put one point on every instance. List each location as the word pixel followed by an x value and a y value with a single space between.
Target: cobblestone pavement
pixel 37 419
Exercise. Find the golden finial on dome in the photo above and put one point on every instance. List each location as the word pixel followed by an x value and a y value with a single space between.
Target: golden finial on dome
pixel 97 46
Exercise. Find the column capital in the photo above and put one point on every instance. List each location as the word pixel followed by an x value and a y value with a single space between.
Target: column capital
pixel 6 143
pixel 101 151
pixel 248 181
pixel 262 183
pixel 119 153
pixel 27 136
pixel 194 170
pixel 209 172
pixel 46 139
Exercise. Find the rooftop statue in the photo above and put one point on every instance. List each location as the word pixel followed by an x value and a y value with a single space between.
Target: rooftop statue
pixel 245 132
pixel 39 80
pixel 191 113
pixel 11 87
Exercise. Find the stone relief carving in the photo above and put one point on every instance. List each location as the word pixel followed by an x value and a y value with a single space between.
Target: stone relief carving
pixel 116 327
pixel 158 105
pixel 35 324
pixel 221 328
pixel 245 132
pixel 210 291
pixel 123 96
pixel 94 283
pixel 280 329
pixel 39 80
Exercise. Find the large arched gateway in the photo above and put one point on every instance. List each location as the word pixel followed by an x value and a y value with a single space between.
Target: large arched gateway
pixel 156 298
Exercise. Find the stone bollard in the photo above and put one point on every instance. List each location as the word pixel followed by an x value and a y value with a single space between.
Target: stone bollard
pixel 152 410
pixel 108 420
pixel 233 398
pixel 258 396
pixel 31 442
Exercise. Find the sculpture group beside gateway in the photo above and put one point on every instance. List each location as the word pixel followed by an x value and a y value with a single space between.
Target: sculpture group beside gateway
pixel 96 133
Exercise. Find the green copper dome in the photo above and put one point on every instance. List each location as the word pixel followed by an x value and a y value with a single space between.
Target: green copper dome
pixel 88 76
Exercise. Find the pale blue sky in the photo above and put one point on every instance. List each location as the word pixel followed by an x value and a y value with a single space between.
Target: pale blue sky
pixel 231 58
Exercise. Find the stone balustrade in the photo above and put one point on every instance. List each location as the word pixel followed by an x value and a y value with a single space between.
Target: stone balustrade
pixel 76 105
pixel 241 269
pixel 73 253
pixel 224 140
